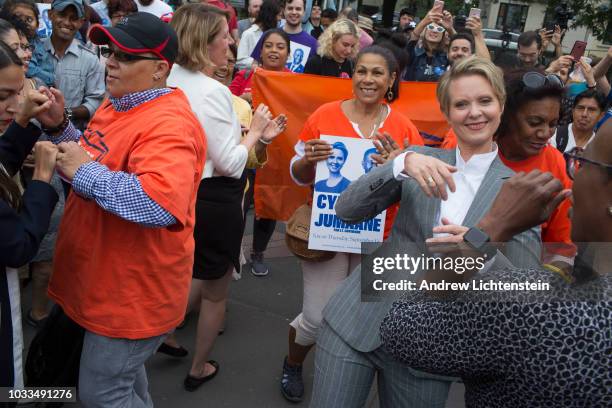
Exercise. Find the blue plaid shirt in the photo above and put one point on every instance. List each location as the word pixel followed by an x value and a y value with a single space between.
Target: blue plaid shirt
pixel 119 192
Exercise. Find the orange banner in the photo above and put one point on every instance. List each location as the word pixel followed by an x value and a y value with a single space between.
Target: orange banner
pixel 298 96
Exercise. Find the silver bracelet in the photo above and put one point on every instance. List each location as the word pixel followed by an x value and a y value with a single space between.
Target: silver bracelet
pixel 263 141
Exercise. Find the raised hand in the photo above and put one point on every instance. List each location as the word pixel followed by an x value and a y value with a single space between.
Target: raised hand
pixel 434 16
pixel 587 71
pixel 474 24
pixel 45 154
pixel 261 118
pixel 275 127
pixel 387 148
pixel 54 116
pixel 546 36
pixel 433 175
pixel 455 232
pixel 565 61
pixel 524 201
pixel 557 35
pixel 34 103
pixel 447 21
pixel 70 157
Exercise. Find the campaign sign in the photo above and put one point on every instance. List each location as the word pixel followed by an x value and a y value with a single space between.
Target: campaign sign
pixel 350 159
pixel 299 55
pixel 44 22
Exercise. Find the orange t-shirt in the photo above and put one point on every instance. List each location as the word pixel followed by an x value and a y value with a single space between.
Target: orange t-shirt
pixel 330 120
pixel 558 227
pixel 114 277
pixel 450 140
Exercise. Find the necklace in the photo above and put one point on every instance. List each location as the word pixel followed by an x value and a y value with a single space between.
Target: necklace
pixel 377 123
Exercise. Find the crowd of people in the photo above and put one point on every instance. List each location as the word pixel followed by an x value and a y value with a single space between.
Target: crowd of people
pixel 130 140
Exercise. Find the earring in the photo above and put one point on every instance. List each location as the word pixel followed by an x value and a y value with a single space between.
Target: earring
pixel 610 210
pixel 389 94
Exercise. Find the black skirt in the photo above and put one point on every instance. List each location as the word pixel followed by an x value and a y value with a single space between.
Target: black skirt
pixel 219 226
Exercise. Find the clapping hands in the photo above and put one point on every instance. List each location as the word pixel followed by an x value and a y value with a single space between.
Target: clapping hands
pixel 274 128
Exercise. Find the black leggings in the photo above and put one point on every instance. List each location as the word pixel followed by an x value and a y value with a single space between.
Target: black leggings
pixel 263 228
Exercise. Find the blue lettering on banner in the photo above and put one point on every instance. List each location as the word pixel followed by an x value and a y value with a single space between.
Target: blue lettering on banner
pixel 330 198
pixel 332 221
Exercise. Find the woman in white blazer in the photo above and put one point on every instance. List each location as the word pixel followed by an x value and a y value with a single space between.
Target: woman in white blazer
pixel 204 39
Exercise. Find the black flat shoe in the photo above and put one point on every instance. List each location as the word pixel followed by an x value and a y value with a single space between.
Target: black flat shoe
pixel 193 383
pixel 179 351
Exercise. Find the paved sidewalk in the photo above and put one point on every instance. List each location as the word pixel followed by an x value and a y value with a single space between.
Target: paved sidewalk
pixel 251 351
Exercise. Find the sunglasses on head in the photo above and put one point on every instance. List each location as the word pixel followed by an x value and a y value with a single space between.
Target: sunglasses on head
pixel 121 56
pixel 433 27
pixel 535 80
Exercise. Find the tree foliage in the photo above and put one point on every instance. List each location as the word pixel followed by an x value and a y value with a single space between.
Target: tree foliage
pixel 593 14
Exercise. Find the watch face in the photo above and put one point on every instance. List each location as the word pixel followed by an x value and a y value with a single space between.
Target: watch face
pixel 476 237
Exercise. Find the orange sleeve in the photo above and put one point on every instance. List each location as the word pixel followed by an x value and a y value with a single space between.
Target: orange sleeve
pixel 450 140
pixel 311 128
pixel 165 159
pixel 558 227
pixel 412 134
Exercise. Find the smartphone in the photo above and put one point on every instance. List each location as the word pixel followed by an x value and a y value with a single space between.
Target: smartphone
pixel 474 12
pixel 438 5
pixel 578 50
pixel 550 27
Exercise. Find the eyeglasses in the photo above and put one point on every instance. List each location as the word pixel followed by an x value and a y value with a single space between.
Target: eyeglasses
pixel 535 80
pixel 433 27
pixel 121 56
pixel 574 161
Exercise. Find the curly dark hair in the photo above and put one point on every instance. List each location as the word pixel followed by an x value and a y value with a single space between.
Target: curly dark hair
pixel 268 13
pixel 518 94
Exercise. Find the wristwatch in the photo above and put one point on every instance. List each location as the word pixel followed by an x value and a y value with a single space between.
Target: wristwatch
pixel 68 112
pixel 480 241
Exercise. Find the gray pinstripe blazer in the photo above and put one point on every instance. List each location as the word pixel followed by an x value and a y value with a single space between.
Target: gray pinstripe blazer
pixel 358 322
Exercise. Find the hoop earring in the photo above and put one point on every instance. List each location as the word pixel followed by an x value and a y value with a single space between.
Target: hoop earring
pixel 389 95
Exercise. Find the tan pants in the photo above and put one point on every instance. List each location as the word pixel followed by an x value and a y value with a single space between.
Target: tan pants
pixel 320 282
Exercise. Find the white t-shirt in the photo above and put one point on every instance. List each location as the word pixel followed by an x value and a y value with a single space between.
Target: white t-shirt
pixel 571 141
pixel 157 8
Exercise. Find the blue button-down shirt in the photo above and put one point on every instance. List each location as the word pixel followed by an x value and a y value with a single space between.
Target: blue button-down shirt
pixel 119 192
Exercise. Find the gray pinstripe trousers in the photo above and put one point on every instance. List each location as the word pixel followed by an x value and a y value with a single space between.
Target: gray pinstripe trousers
pixel 344 376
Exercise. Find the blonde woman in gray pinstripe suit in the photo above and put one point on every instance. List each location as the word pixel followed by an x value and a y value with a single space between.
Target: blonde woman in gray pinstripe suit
pixel 440 192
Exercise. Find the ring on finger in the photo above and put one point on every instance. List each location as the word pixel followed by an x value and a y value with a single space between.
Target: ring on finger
pixel 313 149
pixel 431 182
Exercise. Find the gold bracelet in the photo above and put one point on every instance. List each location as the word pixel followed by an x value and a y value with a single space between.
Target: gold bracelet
pixel 567 277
